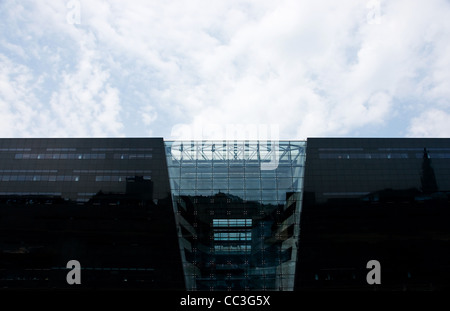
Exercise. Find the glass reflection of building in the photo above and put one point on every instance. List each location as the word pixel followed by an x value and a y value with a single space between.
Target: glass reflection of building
pixel 102 201
pixel 237 206
pixel 381 198
pixel 225 215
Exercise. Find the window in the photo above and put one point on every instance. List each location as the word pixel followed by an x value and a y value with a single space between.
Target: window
pixel 236 183
pixel 241 222
pixel 220 183
pixel 252 183
pixel 233 236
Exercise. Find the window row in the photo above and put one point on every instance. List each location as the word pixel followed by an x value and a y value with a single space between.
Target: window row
pixel 235 173
pixel 131 172
pixel 235 183
pixel 271 197
pixel 382 156
pixel 14 149
pixel 226 249
pixel 29 171
pixel 137 156
pixel 106 178
pixel 60 156
pixel 233 222
pixel 236 158
pixel 122 149
pixel 80 156
pixel 27 193
pixel 226 163
pixel 39 178
pixel 232 236
pixel 61 149
pixel 101 178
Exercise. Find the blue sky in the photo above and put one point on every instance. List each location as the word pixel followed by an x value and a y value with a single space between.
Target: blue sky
pixel 150 68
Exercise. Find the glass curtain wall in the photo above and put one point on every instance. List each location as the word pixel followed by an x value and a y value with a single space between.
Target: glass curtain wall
pixel 237 206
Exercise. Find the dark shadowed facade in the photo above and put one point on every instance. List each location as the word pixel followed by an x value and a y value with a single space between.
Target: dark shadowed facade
pixel 103 202
pixel 382 199
pixel 144 213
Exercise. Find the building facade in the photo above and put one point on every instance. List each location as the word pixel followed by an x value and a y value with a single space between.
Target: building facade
pixel 237 207
pixel 375 199
pixel 103 202
pixel 225 215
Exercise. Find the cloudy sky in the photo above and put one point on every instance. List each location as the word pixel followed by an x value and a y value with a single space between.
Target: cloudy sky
pixel 94 68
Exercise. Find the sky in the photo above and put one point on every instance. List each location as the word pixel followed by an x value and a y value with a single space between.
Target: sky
pixel 175 69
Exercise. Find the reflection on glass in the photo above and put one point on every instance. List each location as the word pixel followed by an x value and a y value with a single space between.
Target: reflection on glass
pixel 237 226
pixel 236 183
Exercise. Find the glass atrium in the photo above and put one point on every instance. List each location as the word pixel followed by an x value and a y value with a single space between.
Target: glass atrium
pixel 237 207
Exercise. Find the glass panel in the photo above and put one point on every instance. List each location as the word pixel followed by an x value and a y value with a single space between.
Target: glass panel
pixel 236 183
pixel 234 222
pixel 271 200
pixel 253 196
pixel 188 192
pixel 284 171
pixel 284 183
pixel 187 183
pixel 282 195
pixel 252 183
pixel 204 162
pixel 232 236
pixel 297 172
pixel 188 163
pixel 284 156
pixel 205 184
pixel 220 183
pixel 188 171
pixel 220 172
pixel 268 183
pixel 220 163
pixel 253 163
pixel 268 174
pixel 236 161
pixel 253 171
pixel 232 249
pixel 238 193
pixel 236 171
pixel 204 172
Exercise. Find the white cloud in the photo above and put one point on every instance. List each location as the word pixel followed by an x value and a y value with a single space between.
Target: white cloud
pixel 149 115
pixel 18 104
pixel 84 103
pixel 321 68
pixel 432 123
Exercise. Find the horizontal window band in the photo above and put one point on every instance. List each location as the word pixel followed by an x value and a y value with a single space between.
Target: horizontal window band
pixel 35 178
pixel 105 178
pixel 59 156
pixel 79 156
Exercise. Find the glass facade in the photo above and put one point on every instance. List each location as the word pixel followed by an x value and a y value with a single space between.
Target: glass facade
pixel 104 202
pixel 225 215
pixel 237 207
pixel 381 199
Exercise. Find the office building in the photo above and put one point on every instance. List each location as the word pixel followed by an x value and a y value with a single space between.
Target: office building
pixel 103 202
pixel 144 213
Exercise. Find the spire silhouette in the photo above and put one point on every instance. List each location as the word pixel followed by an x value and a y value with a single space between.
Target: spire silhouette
pixel 428 177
